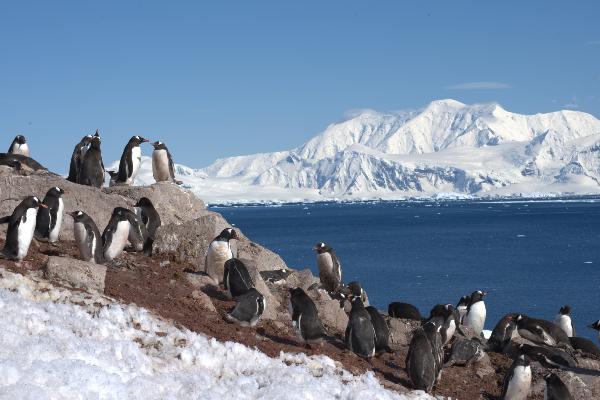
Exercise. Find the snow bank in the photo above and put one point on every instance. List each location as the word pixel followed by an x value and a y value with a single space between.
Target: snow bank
pixel 58 344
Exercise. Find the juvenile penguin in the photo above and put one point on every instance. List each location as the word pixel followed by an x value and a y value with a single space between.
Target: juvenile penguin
pixel 115 235
pixel 443 315
pixel 432 330
pixel 130 162
pixel 475 318
pixel 21 226
pixel 356 289
pixel 397 309
pixel 236 278
pixel 163 168
pixel 596 326
pixel 563 319
pixel 549 357
pixel 555 388
pixel 462 307
pixel 541 331
pixel 330 269
pixel 360 333
pixel 382 331
pixel 584 345
pixel 465 352
pixel 92 167
pixel 517 380
pixel 502 333
pixel 49 219
pixel 420 362
pixel 151 219
pixel 88 238
pixel 249 308
pixel 77 158
pixel 19 146
pixel 138 234
pixel 219 251
pixel 305 317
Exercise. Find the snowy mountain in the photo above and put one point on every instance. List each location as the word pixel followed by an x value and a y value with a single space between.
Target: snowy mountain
pixel 446 147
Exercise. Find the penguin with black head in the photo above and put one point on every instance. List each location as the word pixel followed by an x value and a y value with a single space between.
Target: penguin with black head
pixel 462 307
pixel 130 162
pixel 444 316
pixel 236 278
pixel 360 334
pixel 541 331
pixel 517 380
pixel 88 237
pixel 555 388
pixel 49 219
pixel 476 313
pixel 420 361
pixel 115 235
pixel 305 317
pixel 382 331
pixel 563 319
pixel 330 269
pixel 77 158
pixel 219 251
pixel 502 333
pixel 163 168
pixel 19 146
pixel 92 167
pixel 21 227
pixel 151 220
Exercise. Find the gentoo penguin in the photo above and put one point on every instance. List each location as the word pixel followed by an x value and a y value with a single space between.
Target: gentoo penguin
pixel 356 289
pixel 549 357
pixel 236 278
pixel 382 331
pixel 465 352
pixel 92 167
pixel 219 251
pixel 432 331
pixel 49 219
pixel 305 317
pixel 138 234
pixel 502 333
pixel 444 316
pixel 131 160
pixel 555 388
pixel 330 269
pixel 360 333
pixel 21 226
pixel 19 146
pixel 88 238
pixel 163 168
pixel 517 380
pixel 249 308
pixel 77 158
pixel 20 162
pixel 596 326
pixel 462 307
pixel 397 309
pixel 563 319
pixel 475 318
pixel 541 331
pixel 420 362
pixel 584 345
pixel 151 219
pixel 115 235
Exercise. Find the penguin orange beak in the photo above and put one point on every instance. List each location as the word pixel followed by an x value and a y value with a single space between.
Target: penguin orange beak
pixel 42 205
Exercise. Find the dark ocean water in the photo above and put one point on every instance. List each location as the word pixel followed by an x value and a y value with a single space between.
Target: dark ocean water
pixel 532 257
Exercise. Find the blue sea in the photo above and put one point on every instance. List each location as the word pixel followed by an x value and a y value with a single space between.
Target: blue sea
pixel 530 256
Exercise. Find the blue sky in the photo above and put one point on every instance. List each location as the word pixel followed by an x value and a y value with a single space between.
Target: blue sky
pixel 227 78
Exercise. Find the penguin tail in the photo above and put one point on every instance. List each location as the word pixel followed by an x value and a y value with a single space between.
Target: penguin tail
pixel 148 247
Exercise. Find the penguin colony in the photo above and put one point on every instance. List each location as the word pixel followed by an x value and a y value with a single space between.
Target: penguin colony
pixel 451 335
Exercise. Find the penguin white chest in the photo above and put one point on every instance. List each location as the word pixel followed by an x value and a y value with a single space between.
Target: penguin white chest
pixel 22 149
pixel 564 321
pixel 160 165
pixel 25 232
pixel 325 263
pixel 518 387
pixel 476 317
pixel 53 236
pixel 218 253
pixel 136 161
pixel 119 240
pixel 80 233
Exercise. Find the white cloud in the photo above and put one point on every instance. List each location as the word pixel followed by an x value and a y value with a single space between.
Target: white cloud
pixel 479 85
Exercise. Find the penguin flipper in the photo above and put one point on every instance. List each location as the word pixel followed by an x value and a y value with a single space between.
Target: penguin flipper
pixel 5 220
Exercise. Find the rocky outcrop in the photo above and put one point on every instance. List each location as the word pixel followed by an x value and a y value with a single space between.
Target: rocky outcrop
pixel 401 331
pixel 76 273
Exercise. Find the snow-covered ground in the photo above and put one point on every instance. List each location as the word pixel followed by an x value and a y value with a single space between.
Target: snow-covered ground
pixel 58 344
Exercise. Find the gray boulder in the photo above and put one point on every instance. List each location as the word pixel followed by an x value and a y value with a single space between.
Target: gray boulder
pixel 77 273
pixel 330 311
pixel 401 331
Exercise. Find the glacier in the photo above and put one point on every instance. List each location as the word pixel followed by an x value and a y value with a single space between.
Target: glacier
pixel 444 149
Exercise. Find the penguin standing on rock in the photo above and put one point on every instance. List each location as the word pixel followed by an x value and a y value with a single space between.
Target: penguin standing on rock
pixel 219 251
pixel 77 157
pixel 21 227
pixel 397 309
pixel 92 167
pixel 249 308
pixel 517 380
pixel 432 331
pixel 236 278
pixel 462 307
pixel 330 269
pixel 115 235
pixel 150 219
pixel 541 331
pixel 130 162
pixel 502 332
pixel 475 318
pixel 360 333
pixel 443 315
pixel 88 238
pixel 382 332
pixel 356 289
pixel 49 219
pixel 563 319
pixel 305 317
pixel 555 388
pixel 163 168
pixel 19 146
pixel 420 362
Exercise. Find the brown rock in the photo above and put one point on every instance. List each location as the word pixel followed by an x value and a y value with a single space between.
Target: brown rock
pixel 330 311
pixel 401 331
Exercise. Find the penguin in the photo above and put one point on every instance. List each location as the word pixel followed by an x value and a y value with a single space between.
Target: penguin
pixel 163 168
pixel 151 219
pixel 49 219
pixel 555 388
pixel 443 315
pixel 475 318
pixel 382 331
pixel 517 381
pixel 462 307
pixel 219 251
pixel 356 290
pixel 502 333
pixel 549 357
pixel 130 162
pixel 236 278
pixel 19 146
pixel 563 319
pixel 596 326
pixel 541 331
pixel 584 345
pixel 249 308
pixel 92 167
pixel 465 352
pixel 21 226
pixel 432 331
pixel 88 238
pixel 138 234
pixel 404 311
pixel 330 269
pixel 360 333
pixel 420 362
pixel 20 162
pixel 305 318
pixel 115 235
pixel 77 158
